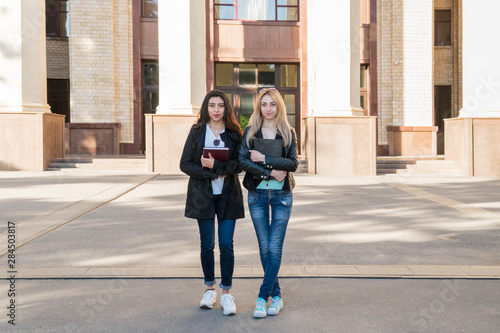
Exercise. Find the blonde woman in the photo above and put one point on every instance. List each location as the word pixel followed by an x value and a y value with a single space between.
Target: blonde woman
pixel 269 182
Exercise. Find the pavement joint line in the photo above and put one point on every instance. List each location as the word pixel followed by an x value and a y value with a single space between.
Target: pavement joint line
pixel 467 209
pixel 242 271
pixel 72 212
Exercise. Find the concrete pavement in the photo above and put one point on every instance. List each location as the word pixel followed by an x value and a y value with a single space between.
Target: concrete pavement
pixel 98 227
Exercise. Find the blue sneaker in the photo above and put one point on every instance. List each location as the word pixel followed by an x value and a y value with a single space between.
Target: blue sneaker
pixel 275 307
pixel 260 308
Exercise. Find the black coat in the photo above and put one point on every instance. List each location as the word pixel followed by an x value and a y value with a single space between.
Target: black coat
pixel 199 201
pixel 257 172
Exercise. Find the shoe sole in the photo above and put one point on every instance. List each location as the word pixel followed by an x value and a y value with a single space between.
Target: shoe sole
pixel 274 313
pixel 260 316
pixel 204 306
pixel 229 314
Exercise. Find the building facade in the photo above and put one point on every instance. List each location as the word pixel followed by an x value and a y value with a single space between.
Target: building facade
pixel 339 65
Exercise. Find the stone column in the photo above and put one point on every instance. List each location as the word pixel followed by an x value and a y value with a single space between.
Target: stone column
pixel 182 64
pixel 342 141
pixel 30 134
pixel 333 46
pixel 23 79
pixel 471 140
pixel 481 75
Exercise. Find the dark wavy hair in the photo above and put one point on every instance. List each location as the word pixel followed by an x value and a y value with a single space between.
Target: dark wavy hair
pixel 229 118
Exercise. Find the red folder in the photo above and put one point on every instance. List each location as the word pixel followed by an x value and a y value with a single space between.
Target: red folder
pixel 220 154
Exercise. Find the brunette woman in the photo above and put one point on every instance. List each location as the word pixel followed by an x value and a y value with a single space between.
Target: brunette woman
pixel 269 182
pixel 214 189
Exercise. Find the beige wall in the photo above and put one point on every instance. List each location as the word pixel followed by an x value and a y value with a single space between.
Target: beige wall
pixel 57 58
pixel 38 139
pixel 342 146
pixel 101 63
pixel 473 144
pixel 166 137
pixel 242 41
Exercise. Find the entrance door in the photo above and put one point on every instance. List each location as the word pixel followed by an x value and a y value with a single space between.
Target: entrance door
pixel 242 82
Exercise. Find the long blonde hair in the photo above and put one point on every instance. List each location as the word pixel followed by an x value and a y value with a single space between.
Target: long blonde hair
pixel 256 120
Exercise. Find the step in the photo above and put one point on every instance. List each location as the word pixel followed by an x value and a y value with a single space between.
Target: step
pixel 119 162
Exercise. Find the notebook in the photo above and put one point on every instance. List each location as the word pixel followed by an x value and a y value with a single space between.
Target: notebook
pixel 269 147
pixel 220 154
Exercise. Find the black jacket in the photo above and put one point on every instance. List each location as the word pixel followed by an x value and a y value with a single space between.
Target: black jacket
pixel 199 201
pixel 288 162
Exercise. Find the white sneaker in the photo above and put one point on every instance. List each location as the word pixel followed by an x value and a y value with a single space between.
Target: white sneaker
pixel 260 308
pixel 275 307
pixel 208 300
pixel 228 306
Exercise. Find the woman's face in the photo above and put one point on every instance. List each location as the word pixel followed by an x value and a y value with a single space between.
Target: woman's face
pixel 216 109
pixel 268 107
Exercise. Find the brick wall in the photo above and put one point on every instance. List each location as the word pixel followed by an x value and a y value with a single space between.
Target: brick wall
pixel 100 53
pixel 405 87
pixel 57 58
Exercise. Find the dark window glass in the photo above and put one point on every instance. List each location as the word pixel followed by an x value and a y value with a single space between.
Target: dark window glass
pixel 58 97
pixel 57 18
pixel 246 109
pixel 266 75
pixel 151 74
pixel 149 8
pixel 247 75
pixel 442 26
pixel 442 104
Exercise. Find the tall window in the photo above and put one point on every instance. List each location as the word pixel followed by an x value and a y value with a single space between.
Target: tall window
pixel 241 82
pixel 363 87
pixel 442 27
pixel 442 105
pixel 149 8
pixel 56 18
pixel 58 96
pixel 257 10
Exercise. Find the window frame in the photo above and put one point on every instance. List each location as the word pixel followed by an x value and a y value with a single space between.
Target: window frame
pixel 58 18
pixel 276 6
pixel 436 21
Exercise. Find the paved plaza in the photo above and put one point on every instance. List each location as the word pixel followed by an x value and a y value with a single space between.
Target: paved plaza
pixel 112 252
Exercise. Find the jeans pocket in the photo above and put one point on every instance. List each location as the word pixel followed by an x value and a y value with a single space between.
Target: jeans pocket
pixel 286 198
pixel 252 198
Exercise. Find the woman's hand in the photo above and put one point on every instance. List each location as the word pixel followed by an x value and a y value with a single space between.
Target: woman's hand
pixel 279 175
pixel 257 156
pixel 207 162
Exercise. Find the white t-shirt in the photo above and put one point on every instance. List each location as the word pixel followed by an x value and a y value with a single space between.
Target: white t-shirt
pixel 218 183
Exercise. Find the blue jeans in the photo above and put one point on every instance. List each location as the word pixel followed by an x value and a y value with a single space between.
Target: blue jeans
pixel 207 238
pixel 270 233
